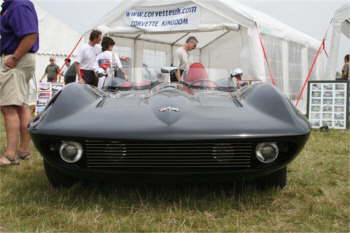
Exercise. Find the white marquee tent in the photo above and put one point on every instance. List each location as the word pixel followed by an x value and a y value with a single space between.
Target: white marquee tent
pixel 56 39
pixel 228 33
pixel 341 26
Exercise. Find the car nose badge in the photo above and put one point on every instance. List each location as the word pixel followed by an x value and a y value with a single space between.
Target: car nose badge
pixel 169 109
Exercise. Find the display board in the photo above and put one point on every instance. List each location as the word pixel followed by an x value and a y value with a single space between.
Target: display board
pixel 328 104
pixel 45 92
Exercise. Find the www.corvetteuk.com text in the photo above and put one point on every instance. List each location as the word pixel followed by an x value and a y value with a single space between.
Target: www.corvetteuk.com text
pixel 163 13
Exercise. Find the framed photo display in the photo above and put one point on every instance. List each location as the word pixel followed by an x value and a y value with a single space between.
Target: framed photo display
pixel 45 92
pixel 328 104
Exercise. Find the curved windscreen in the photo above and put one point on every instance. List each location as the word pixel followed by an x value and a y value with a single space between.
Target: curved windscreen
pixel 197 76
pixel 136 78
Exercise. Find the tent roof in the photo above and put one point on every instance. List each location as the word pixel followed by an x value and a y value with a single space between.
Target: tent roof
pixel 342 16
pixel 56 38
pixel 343 13
pixel 222 12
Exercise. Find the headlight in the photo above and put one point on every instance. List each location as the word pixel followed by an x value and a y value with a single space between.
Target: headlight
pixel 71 152
pixel 267 152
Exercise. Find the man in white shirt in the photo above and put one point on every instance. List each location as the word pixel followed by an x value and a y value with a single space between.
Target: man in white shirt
pixel 183 55
pixel 86 58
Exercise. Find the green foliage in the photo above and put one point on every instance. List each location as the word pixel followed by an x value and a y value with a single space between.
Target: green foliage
pixel 316 199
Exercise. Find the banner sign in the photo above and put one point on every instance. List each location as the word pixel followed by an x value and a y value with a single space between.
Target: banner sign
pixel 45 93
pixel 164 18
pixel 328 104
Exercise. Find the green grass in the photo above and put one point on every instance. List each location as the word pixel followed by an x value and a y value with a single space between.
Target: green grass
pixel 316 199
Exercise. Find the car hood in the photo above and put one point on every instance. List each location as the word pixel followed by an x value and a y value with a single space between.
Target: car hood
pixel 171 114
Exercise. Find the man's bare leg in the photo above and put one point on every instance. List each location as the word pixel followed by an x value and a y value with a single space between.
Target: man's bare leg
pixel 25 118
pixel 12 126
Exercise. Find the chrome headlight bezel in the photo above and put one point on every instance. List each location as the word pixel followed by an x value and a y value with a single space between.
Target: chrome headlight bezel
pixel 77 156
pixel 259 152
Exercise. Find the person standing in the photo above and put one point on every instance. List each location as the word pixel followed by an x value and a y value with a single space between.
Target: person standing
pixel 18 44
pixel 108 59
pixel 70 76
pixel 346 68
pixel 86 58
pixel 65 66
pixel 51 71
pixel 183 55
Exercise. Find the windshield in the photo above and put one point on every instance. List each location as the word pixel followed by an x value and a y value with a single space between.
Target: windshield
pixel 197 77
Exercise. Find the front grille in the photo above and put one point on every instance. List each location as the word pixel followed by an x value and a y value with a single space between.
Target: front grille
pixel 150 154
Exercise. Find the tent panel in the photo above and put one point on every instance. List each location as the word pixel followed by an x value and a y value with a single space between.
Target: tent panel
pixel 274 50
pixel 224 53
pixel 345 28
pixel 296 76
pixel 52 42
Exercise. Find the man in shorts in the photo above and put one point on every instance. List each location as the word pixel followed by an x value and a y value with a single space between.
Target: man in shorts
pixel 18 44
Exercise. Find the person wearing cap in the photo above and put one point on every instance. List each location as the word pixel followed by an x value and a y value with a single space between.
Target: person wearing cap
pixel 183 56
pixel 237 75
pixel 19 41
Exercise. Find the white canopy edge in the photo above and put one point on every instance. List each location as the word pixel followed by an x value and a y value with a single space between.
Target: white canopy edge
pixel 345 28
pixel 136 31
pixel 342 17
pixel 342 14
pixel 136 34
pixel 341 26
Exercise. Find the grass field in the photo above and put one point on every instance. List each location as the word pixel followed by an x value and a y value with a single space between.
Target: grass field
pixel 316 199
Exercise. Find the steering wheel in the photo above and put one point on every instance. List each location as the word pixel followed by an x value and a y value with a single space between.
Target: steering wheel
pixel 204 83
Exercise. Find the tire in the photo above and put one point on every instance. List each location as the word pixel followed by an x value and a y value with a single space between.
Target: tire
pixel 277 179
pixel 58 179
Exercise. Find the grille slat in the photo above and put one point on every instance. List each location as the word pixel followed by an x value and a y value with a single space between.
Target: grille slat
pixel 169 157
pixel 104 154
pixel 167 161
pixel 161 153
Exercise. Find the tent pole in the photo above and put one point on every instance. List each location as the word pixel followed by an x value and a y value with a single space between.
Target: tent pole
pixel 175 42
pixel 310 72
pixel 146 40
pixel 172 55
pixel 135 53
pixel 217 38
pixel 69 56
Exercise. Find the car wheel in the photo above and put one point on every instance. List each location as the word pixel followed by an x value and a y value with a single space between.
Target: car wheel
pixel 58 179
pixel 277 179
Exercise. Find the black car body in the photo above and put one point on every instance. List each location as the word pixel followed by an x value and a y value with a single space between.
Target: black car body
pixel 170 133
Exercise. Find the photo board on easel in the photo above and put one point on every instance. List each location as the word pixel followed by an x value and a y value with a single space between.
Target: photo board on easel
pixel 328 104
pixel 45 92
